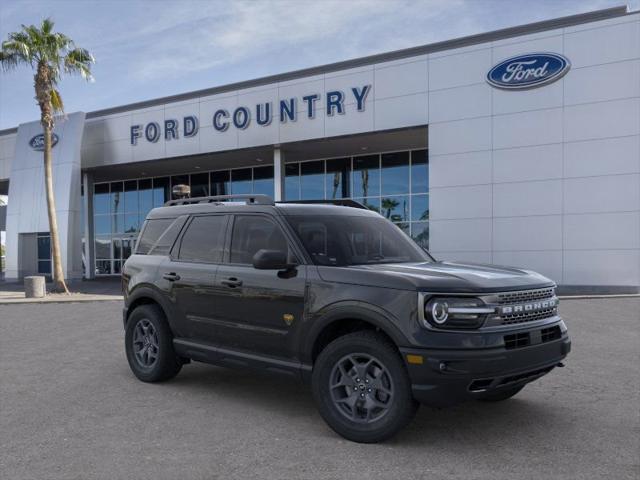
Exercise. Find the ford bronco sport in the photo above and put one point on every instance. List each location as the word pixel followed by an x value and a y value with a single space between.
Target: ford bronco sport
pixel 337 296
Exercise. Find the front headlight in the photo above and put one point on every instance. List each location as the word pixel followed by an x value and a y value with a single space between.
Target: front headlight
pixel 455 312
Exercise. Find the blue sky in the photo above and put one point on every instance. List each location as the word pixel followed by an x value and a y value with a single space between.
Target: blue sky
pixel 149 49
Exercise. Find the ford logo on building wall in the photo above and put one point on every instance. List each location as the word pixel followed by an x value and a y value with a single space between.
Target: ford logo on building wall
pixel 37 142
pixel 528 71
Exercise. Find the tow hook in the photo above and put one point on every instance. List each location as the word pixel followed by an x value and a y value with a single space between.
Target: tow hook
pixel 560 364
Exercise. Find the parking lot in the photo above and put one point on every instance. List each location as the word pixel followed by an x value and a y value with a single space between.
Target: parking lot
pixel 71 409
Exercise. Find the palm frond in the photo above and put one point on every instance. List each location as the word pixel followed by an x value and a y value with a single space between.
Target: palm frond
pixel 79 61
pixel 56 101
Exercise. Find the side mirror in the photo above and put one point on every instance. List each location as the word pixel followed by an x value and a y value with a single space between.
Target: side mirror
pixel 271 260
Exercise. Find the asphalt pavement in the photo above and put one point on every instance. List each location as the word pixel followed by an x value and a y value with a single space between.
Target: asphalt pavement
pixel 71 409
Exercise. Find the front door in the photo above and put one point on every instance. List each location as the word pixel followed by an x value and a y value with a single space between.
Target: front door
pixel 257 310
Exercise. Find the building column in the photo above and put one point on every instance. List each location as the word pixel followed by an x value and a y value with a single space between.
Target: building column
pixel 89 253
pixel 278 175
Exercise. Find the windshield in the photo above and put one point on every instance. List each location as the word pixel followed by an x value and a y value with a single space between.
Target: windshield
pixel 342 240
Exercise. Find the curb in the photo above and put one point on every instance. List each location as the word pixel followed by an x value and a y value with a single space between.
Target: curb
pixel 101 298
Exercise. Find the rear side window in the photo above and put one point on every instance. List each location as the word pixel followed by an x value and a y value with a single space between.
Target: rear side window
pixel 152 231
pixel 165 242
pixel 253 233
pixel 204 239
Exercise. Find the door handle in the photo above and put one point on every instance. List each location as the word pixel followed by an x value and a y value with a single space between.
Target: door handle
pixel 171 276
pixel 232 282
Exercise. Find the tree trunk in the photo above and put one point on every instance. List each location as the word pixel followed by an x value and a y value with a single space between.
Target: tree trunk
pixel 59 284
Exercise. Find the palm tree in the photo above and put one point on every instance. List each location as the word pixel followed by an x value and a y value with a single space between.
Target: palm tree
pixel 50 55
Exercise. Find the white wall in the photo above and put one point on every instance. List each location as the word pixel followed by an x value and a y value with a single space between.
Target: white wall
pixel 547 178
pixel 7 151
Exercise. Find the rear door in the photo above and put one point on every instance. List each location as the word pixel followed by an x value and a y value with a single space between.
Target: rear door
pixel 257 310
pixel 190 272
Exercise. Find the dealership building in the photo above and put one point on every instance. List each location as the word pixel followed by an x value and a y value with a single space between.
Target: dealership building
pixel 514 147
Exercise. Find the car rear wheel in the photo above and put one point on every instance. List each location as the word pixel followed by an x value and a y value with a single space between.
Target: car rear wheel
pixel 149 345
pixel 362 389
pixel 501 394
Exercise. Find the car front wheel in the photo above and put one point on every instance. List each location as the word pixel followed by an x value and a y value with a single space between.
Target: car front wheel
pixel 362 389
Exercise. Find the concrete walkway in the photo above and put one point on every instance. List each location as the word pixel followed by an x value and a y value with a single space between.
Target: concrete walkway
pixel 81 291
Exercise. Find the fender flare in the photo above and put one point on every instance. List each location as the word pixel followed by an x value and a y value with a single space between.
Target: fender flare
pixel 363 311
pixel 148 291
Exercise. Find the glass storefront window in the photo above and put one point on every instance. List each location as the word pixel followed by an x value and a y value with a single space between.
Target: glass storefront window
pixel 131 203
pixel 292 181
pixel 101 198
pixel 395 173
pixel 396 185
pixel 200 185
pixel 220 183
pixel 160 191
pixel 366 176
pixel 419 207
pixel 312 180
pixel 263 180
pixel 419 171
pixel 241 181
pixel 420 233
pixel 338 178
pixel 395 208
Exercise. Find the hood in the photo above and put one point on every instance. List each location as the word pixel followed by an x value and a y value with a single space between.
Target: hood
pixel 450 277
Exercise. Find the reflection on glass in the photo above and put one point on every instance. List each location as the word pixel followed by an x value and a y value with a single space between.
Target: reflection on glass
pixel 117 223
pixel 101 198
pixel 420 207
pixel 366 176
pixel 395 209
pixel 220 183
pixel 370 203
pixel 395 173
pixel 199 185
pixel 102 224
pixel 117 204
pixel 337 179
pixel 263 180
pixel 420 233
pixel 117 267
pixel 44 267
pixel 160 191
pixel 241 181
pixel 292 181
pixel 117 248
pixel 127 247
pixel 419 171
pixel 404 227
pixel 44 247
pixel 103 267
pixel 145 196
pixel 131 224
pixel 312 180
pixel 103 247
pixel 131 203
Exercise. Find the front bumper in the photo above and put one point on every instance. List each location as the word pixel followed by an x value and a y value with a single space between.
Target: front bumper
pixel 449 376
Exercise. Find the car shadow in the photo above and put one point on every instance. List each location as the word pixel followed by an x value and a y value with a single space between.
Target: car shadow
pixel 466 424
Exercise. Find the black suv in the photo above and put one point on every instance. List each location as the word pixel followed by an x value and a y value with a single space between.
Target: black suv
pixel 338 296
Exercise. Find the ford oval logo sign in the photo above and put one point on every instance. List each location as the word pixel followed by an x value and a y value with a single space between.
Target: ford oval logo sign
pixel 37 142
pixel 528 71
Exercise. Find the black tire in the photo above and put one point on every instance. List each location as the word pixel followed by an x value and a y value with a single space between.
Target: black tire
pixel 393 380
pixel 165 364
pixel 501 394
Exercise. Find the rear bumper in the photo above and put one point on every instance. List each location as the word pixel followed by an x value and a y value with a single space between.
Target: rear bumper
pixel 446 377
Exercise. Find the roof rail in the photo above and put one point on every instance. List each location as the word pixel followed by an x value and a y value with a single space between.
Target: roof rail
pixel 257 199
pixel 342 202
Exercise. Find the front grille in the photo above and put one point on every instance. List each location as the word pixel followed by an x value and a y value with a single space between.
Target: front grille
pixel 527 296
pixel 524 339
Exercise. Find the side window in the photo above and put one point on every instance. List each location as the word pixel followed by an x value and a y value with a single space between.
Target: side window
pixel 163 245
pixel 152 231
pixel 204 239
pixel 253 233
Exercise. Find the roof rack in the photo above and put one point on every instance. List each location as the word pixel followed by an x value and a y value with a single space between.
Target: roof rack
pixel 257 199
pixel 342 202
